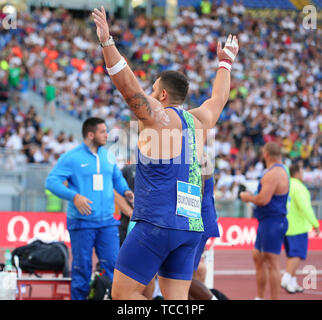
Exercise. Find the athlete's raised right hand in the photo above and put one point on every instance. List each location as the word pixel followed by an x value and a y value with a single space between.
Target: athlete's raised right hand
pixel 82 204
pixel 102 29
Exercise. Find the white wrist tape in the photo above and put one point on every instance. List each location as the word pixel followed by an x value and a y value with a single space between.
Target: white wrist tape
pixel 117 67
pixel 225 65
pixel 229 54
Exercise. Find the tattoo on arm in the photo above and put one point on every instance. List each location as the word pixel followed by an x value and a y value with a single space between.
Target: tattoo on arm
pixel 140 104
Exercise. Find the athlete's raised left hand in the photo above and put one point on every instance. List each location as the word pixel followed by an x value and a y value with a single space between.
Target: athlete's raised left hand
pixel 229 52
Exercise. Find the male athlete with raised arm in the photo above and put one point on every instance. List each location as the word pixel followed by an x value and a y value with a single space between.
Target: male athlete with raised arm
pixel 167 205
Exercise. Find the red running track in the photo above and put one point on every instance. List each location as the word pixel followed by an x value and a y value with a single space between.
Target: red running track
pixel 234 275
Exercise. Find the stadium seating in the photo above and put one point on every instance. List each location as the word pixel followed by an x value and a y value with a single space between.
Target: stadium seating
pixel 159 3
pixel 317 3
pixel 262 4
pixel 254 4
pixel 274 86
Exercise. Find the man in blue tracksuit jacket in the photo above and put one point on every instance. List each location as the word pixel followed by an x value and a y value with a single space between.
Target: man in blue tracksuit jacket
pixel 92 175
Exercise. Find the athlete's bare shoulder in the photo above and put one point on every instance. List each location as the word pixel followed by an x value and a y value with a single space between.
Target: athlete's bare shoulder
pixel 277 177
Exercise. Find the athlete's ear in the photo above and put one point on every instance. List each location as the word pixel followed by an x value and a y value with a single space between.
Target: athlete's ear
pixel 163 95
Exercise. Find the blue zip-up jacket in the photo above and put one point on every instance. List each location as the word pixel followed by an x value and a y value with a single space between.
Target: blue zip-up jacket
pixel 78 166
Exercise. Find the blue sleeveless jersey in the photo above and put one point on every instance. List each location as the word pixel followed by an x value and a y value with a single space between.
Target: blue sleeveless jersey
pixel 208 210
pixel 276 207
pixel 155 199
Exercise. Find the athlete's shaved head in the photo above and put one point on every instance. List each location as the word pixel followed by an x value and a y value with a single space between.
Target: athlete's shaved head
pixel 273 150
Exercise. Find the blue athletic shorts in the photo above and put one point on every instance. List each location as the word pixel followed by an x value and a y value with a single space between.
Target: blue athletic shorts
pixel 149 249
pixel 199 250
pixel 270 234
pixel 296 246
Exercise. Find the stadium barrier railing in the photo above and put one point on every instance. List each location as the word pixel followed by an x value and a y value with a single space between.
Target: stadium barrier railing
pixel 22 189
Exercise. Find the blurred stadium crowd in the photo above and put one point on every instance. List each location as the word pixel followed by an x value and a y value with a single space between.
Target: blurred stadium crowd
pixel 275 96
